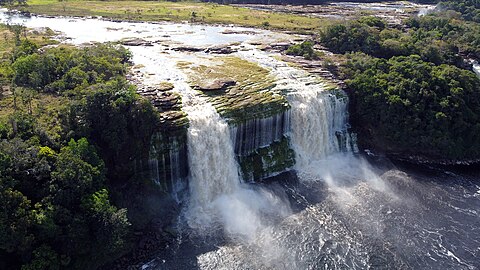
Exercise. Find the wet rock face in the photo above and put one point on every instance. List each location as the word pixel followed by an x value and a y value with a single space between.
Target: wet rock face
pixel 273 159
pixel 215 85
pixel 188 49
pixel 221 50
pixel 136 42
pixel 167 159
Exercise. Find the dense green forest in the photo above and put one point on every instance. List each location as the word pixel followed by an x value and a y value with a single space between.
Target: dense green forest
pixel 71 126
pixel 470 9
pixel 412 89
pixel 69 132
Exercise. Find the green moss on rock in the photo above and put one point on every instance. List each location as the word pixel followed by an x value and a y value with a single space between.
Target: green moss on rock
pixel 249 97
pixel 267 161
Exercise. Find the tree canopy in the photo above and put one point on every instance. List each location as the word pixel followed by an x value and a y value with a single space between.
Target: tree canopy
pixel 412 88
pixel 59 162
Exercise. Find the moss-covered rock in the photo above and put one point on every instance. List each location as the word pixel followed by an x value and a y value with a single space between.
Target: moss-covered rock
pixel 166 164
pixel 168 160
pixel 250 97
pixel 267 161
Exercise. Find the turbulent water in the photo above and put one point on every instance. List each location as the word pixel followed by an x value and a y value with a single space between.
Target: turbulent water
pixel 344 213
pixel 318 122
pixel 476 69
pixel 219 201
pixel 338 212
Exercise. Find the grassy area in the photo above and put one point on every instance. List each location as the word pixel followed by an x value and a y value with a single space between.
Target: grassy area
pixel 44 107
pixel 7 39
pixel 250 97
pixel 174 11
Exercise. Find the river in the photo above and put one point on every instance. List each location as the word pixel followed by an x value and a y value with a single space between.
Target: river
pixel 339 211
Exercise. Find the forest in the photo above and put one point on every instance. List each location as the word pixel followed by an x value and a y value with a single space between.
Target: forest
pixel 66 135
pixel 71 125
pixel 412 90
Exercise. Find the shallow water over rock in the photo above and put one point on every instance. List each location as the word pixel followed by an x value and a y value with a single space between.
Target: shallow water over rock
pixel 339 212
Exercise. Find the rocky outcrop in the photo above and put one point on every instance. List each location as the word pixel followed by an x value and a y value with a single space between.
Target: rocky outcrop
pixel 262 146
pixel 167 163
pixel 188 49
pixel 257 133
pixel 277 47
pixel 168 103
pixel 268 161
pixel 215 85
pixel 232 31
pixel 221 50
pixel 136 42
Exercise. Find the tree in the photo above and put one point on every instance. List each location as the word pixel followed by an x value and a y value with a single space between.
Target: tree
pixel 78 171
pixel 410 105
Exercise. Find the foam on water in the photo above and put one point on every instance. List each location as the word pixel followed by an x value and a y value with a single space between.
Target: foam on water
pixel 345 213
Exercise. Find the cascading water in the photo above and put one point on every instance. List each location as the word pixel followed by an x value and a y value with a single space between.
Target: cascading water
pixel 168 166
pixel 218 199
pixel 339 220
pixel 213 169
pixel 476 69
pixel 318 116
pixel 257 133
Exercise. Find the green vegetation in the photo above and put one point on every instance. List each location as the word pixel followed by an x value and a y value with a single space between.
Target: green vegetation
pixel 277 157
pixel 70 129
pixel 304 49
pixel 173 11
pixel 470 9
pixel 412 91
pixel 435 39
pixel 248 96
pixel 407 104
pixel 12 2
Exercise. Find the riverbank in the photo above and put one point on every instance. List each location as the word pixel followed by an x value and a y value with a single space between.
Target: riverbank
pixel 207 13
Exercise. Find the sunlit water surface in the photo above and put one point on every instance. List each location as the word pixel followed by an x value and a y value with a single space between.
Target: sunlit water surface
pixel 339 213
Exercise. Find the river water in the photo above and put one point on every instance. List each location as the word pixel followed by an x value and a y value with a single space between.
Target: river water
pixel 339 211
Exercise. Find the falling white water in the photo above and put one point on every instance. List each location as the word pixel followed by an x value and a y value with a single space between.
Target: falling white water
pixel 217 196
pixel 211 157
pixel 426 10
pixel 318 116
pixel 476 69
pixel 319 122
pixel 257 133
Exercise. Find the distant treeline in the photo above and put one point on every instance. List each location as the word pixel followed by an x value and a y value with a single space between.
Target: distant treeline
pixel 301 2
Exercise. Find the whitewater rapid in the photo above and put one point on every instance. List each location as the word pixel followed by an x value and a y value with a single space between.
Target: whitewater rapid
pixel 337 212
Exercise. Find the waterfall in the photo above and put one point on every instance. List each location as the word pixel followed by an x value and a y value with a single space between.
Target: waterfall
pixel 476 69
pixel 213 169
pixel 167 163
pixel 218 199
pixel 319 124
pixel 319 119
pixel 257 133
pixel 426 10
